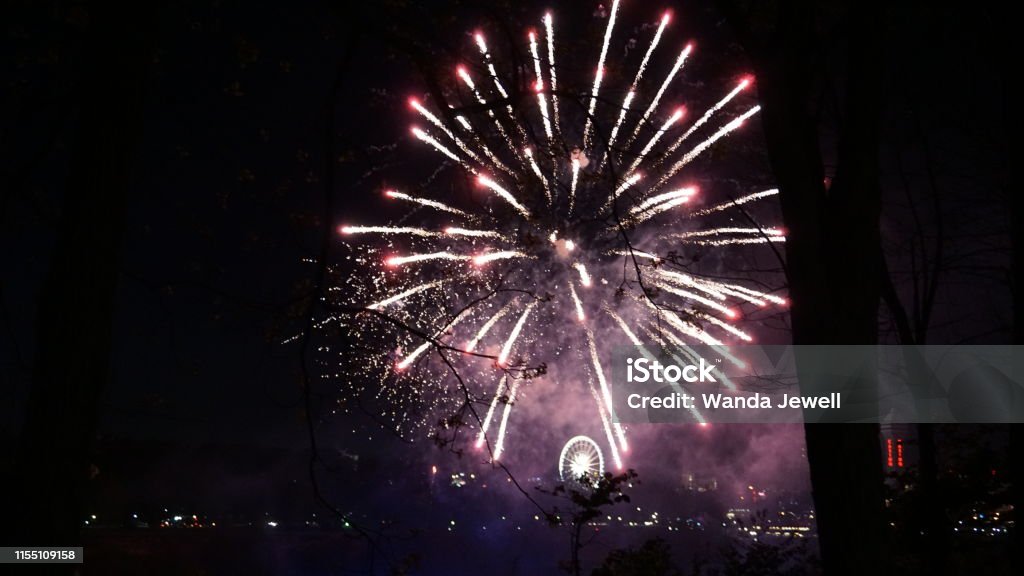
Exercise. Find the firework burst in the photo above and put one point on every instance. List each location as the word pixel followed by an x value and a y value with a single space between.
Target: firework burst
pixel 571 235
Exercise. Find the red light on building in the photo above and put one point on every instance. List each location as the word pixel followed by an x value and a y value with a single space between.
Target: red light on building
pixel 894 456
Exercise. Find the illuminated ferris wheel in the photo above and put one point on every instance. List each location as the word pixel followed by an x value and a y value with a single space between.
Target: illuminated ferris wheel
pixel 581 457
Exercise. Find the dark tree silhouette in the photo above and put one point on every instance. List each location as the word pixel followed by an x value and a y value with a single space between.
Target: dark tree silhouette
pixel 833 242
pixel 652 558
pixel 588 500
pixel 76 303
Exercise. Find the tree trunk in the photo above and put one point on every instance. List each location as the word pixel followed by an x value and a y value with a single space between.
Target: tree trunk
pixel 76 304
pixel 832 248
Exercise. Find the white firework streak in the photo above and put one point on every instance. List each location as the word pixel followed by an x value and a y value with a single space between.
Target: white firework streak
pixel 606 424
pixel 514 335
pixel 572 187
pixel 632 89
pixel 660 198
pixel 405 294
pixel 584 275
pixel 615 128
pixel 549 29
pixel 629 334
pixel 389 230
pixel 707 116
pixel 471 345
pixel 538 75
pixel 769 297
pixel 453 231
pixel 580 315
pixel 606 393
pixel 697 150
pixel 736 202
pixel 732 241
pixel 724 326
pixel 728 230
pixel 636 253
pixel 499 446
pixel 408 360
pixel 654 139
pixel 650 50
pixel 482 45
pixel 540 175
pixel 482 436
pixel 676 387
pixel 686 351
pixel 690 329
pixel 426 202
pixel 542 101
pixel 505 194
pixel 441 148
pixel 599 73
pixel 726 291
pixel 678 198
pixel 720 289
pixel 626 184
pixel 687 328
pixel 488 257
pixel 468 127
pixel 746 236
pixel 663 207
pixel 468 80
pixel 686 280
pixel 714 305
pixel 414 258
pixel 661 91
pixel 451 135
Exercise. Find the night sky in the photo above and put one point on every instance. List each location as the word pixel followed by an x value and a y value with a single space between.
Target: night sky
pixel 203 410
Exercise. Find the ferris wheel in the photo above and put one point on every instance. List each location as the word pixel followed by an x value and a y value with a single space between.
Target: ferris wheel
pixel 581 457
